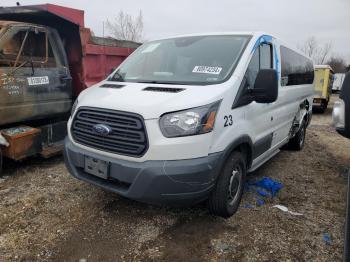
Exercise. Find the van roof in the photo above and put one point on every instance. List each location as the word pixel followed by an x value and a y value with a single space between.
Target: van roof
pixel 251 33
pixel 255 34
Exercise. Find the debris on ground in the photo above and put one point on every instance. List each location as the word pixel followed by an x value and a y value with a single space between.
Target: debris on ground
pixel 327 238
pixel 266 187
pixel 285 209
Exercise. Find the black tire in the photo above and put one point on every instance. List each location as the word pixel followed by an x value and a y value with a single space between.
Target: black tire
pixel 298 141
pixel 227 194
pixel 1 160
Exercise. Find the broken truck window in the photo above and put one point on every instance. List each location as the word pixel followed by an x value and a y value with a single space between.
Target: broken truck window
pixel 26 47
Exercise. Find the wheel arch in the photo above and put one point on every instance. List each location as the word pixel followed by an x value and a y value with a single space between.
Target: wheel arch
pixel 242 144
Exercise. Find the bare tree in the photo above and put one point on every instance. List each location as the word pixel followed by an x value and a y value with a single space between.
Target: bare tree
pixel 126 27
pixel 347 69
pixel 309 47
pixel 319 53
pixel 338 64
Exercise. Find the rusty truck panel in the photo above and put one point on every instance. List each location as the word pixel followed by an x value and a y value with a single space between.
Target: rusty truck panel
pixel 35 82
pixel 23 142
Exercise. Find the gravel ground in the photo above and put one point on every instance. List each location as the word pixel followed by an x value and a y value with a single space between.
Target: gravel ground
pixel 46 215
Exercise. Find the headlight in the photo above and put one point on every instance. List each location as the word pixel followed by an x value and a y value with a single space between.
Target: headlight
pixel 189 122
pixel 74 107
pixel 339 114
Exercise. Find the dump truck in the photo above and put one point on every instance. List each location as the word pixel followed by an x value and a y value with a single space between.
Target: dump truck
pixel 324 77
pixel 47 57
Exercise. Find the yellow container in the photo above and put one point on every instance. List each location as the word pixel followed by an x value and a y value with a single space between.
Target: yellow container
pixel 324 77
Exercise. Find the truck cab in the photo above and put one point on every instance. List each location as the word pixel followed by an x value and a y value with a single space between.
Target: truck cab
pixel 35 78
pixel 47 57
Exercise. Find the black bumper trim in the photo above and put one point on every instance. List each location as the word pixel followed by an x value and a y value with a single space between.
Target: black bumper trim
pixel 157 182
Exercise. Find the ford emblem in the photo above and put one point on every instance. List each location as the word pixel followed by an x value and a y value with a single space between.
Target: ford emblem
pixel 102 130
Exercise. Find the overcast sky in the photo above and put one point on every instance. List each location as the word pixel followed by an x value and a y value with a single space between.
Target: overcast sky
pixel 291 20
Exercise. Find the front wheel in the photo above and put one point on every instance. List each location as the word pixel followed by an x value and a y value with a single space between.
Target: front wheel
pixel 1 159
pixel 227 194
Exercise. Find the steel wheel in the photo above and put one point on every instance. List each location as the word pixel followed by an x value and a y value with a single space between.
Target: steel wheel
pixel 227 193
pixel 302 137
pixel 235 183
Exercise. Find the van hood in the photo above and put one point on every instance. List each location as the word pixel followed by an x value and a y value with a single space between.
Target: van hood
pixel 149 100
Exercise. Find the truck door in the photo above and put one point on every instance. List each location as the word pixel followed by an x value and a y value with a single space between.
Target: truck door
pixel 35 78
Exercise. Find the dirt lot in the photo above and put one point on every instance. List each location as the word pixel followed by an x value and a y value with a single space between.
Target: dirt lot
pixel 46 215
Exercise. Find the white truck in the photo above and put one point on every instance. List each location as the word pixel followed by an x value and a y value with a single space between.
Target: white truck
pixel 338 82
pixel 184 119
pixel 341 109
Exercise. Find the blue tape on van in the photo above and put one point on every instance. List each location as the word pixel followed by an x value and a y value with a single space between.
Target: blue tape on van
pixel 277 62
pixel 268 39
pixel 262 39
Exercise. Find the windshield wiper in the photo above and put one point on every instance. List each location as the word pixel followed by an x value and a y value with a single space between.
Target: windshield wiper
pixel 119 77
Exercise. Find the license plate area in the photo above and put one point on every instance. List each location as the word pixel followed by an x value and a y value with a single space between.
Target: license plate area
pixel 96 167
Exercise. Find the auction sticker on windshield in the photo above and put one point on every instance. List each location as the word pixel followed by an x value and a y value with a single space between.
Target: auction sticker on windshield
pixel 214 70
pixel 41 80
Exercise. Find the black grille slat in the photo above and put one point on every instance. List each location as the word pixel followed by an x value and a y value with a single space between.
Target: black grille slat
pixel 127 137
pixel 116 131
pixel 120 120
pixel 93 122
pixel 139 139
pixel 106 147
pixel 106 142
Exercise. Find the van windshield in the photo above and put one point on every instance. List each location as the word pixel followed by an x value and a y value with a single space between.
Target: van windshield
pixel 199 60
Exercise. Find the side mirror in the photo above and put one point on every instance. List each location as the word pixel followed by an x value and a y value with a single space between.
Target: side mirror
pixel 341 110
pixel 265 86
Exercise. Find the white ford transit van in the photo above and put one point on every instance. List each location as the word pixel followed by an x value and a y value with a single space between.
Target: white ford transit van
pixel 184 119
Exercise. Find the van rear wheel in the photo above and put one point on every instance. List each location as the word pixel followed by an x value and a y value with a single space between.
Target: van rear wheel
pixel 1 159
pixel 298 141
pixel 227 194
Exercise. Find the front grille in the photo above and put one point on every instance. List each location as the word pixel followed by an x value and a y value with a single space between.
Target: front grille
pixel 127 137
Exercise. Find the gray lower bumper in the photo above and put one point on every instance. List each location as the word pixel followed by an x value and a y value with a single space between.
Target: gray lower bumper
pixel 158 182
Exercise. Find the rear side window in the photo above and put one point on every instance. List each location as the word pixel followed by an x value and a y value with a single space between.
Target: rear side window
pixel 296 69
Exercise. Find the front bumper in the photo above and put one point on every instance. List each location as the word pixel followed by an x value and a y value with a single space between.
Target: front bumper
pixel 156 182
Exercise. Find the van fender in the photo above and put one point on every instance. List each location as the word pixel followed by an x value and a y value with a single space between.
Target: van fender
pixel 302 114
pixel 243 144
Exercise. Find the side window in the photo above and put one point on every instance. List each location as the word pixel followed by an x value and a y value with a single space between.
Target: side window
pixel 253 69
pixel 261 59
pixel 265 56
pixel 296 69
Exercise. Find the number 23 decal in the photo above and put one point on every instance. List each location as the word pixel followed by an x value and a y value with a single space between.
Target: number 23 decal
pixel 228 120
